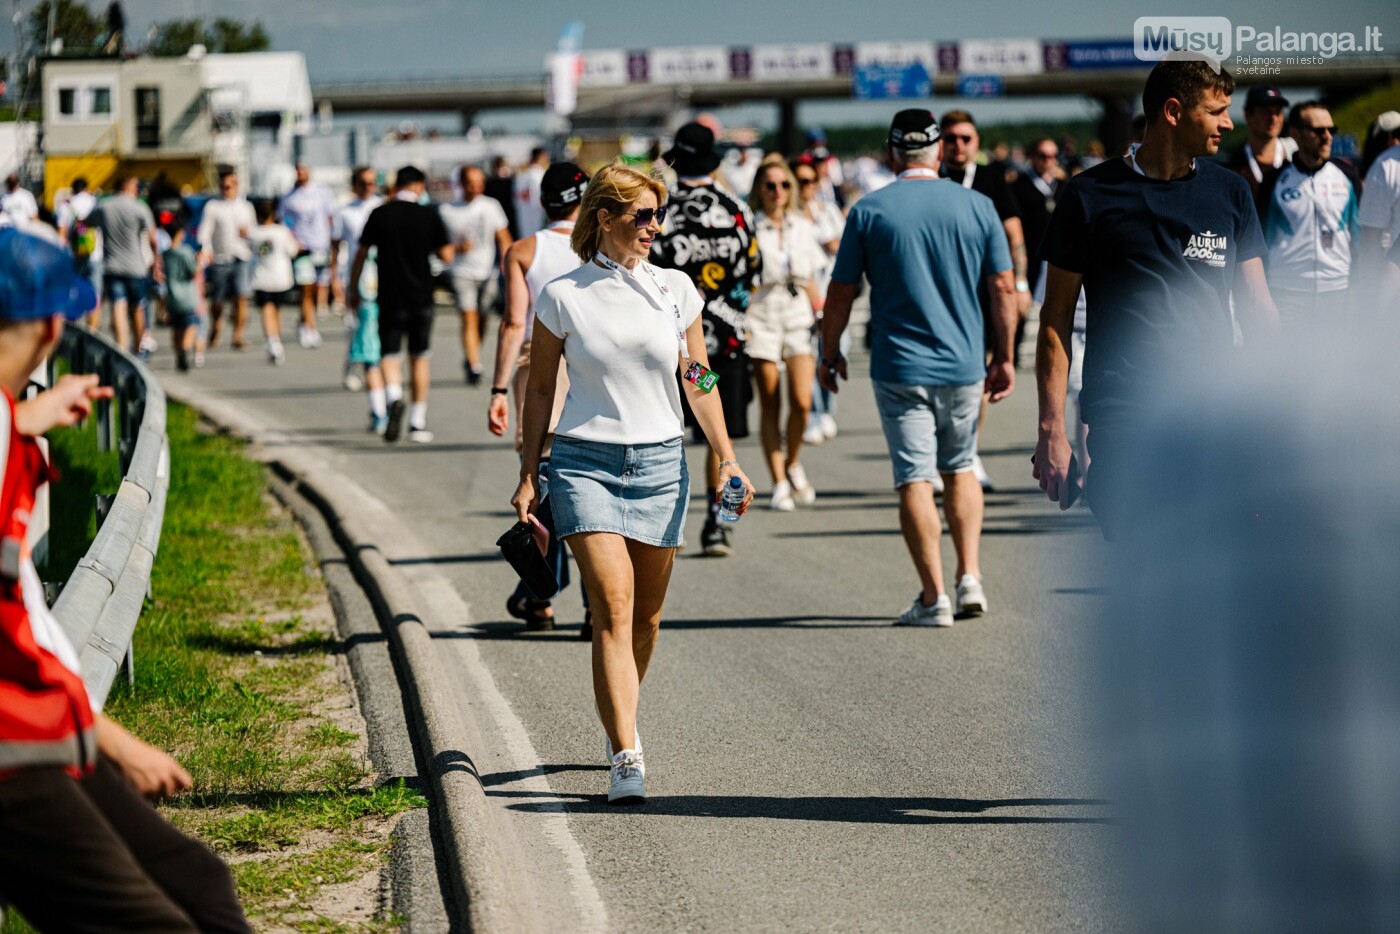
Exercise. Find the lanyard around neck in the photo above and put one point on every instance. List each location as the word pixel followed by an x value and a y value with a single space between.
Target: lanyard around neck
pixel 1253 163
pixel 1131 156
pixel 969 174
pixel 661 287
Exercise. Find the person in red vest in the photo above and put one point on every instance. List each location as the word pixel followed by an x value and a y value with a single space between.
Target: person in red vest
pixel 81 848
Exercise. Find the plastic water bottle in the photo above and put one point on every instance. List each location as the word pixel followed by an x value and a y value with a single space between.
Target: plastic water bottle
pixel 730 499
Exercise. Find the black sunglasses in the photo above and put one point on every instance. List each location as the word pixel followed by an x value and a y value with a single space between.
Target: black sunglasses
pixel 645 216
pixel 806 179
pixel 949 137
pixel 774 186
pixel 1319 130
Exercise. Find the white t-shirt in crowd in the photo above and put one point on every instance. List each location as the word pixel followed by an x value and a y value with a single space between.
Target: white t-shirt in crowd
pixel 274 248
pixel 349 224
pixel 19 206
pixel 77 208
pixel 529 213
pixel 1380 196
pixel 619 334
pixel 221 229
pixel 476 221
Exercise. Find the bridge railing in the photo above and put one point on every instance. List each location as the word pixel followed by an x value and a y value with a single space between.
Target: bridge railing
pixel 101 601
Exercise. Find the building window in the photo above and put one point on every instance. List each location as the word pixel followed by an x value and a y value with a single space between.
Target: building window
pixel 68 101
pixel 148 118
pixel 100 101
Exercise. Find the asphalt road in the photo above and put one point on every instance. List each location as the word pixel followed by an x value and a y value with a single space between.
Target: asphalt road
pixel 809 766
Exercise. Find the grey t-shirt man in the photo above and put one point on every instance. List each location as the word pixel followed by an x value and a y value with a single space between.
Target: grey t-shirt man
pixel 124 221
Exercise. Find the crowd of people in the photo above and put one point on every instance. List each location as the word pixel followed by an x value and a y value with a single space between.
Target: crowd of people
pixel 738 278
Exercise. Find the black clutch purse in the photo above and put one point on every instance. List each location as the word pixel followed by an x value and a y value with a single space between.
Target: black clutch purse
pixel 521 548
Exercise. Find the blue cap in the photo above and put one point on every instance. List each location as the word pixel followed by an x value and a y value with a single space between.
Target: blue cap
pixel 37 280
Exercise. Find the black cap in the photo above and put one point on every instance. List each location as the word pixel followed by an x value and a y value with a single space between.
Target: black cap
pixel 693 152
pixel 1264 95
pixel 913 129
pixel 562 186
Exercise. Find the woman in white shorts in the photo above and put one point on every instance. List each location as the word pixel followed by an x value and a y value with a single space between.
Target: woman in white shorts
pixel 781 315
pixel 618 484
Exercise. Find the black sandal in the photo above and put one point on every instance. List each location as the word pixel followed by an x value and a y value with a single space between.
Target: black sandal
pixel 531 611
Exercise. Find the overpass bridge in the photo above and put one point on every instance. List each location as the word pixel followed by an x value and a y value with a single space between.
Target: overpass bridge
pixel 632 95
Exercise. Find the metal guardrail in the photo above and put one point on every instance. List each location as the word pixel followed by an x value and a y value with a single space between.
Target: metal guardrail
pixel 101 602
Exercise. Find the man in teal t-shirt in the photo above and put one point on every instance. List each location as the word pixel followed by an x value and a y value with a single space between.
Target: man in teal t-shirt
pixel 926 244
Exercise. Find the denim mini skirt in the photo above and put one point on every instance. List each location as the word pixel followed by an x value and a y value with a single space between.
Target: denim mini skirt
pixel 638 491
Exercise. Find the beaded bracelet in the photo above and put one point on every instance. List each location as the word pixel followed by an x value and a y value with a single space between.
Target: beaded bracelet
pixel 724 464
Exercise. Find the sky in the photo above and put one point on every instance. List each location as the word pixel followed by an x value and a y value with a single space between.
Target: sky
pixel 371 39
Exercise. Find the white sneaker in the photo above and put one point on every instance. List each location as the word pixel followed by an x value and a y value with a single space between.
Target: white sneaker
pixel 276 354
pixel 802 490
pixel 309 338
pixel 814 434
pixel 636 738
pixel 782 497
pixel 353 380
pixel 420 435
pixel 148 343
pixel 828 426
pixel 979 470
pixel 971 600
pixel 940 614
pixel 628 782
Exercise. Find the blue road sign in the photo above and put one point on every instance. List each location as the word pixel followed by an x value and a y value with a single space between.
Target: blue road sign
pixel 981 86
pixel 879 81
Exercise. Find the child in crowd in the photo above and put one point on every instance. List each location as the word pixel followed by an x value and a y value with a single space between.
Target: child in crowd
pixel 274 248
pixel 184 288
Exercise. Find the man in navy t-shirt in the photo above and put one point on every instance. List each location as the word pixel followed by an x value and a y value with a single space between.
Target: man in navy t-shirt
pixel 1159 240
pixel 926 244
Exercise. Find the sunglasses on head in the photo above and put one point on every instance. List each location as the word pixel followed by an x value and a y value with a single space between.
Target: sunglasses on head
pixel 645 216
pixel 774 186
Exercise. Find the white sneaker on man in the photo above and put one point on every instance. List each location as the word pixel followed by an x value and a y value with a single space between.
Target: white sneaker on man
pixel 940 614
pixel 276 355
pixel 814 433
pixel 971 600
pixel 828 426
pixel 309 338
pixel 420 435
pixel 802 491
pixel 628 785
pixel 782 497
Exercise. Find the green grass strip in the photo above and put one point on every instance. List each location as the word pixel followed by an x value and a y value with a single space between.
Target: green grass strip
pixel 229 675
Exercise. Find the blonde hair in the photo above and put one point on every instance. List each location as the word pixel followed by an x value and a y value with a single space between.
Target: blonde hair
pixel 774 161
pixel 613 188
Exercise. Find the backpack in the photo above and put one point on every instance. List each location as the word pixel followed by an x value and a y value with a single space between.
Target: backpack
pixel 82 239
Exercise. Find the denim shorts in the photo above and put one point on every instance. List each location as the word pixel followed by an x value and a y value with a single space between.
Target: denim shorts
pixel 131 289
pixel 229 281
pixel 928 429
pixel 638 491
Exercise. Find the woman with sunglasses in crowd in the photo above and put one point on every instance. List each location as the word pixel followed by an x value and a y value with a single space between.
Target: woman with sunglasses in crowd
pixel 830 223
pixel 618 481
pixel 782 312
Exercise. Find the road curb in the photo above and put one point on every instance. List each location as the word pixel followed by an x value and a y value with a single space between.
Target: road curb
pixel 483 893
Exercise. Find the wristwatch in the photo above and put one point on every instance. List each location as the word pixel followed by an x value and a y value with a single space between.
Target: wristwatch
pixel 833 364
pixel 498 391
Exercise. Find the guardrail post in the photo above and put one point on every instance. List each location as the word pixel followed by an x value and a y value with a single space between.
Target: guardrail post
pixel 104 506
